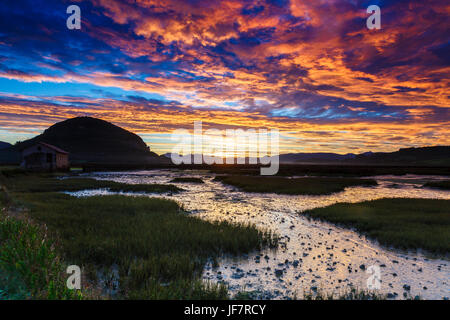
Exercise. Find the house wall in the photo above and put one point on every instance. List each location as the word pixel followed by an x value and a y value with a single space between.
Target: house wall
pixel 35 149
pixel 39 155
pixel 62 161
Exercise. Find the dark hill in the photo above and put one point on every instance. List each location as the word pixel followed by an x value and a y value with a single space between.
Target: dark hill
pixel 423 156
pixel 439 156
pixel 91 140
pixel 8 155
pixel 4 145
pixel 314 157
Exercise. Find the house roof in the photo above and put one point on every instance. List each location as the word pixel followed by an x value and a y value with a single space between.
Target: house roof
pixel 58 150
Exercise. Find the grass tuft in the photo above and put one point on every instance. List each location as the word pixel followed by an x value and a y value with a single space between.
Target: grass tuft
pixel 294 186
pixel 30 266
pixel 402 223
pixel 46 183
pixel 350 294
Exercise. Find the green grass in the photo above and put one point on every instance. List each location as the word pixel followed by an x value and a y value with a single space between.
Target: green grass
pixel 187 179
pixel 318 294
pixel 401 223
pixel 50 183
pixel 151 241
pixel 11 171
pixel 30 266
pixel 295 186
pixel 12 287
pixel 444 185
pixel 159 251
pixel 350 294
pixel 29 263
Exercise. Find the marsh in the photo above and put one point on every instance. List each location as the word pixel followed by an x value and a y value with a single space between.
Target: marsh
pixel 310 254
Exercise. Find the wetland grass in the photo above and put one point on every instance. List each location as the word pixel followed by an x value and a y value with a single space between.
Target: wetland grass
pixel 349 294
pixel 315 293
pixel 30 265
pixel 293 186
pixel 402 223
pixel 157 249
pixel 151 240
pixel 50 183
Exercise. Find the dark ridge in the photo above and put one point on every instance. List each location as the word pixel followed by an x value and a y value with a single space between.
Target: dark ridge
pixel 4 145
pixel 439 156
pixel 8 154
pixel 433 156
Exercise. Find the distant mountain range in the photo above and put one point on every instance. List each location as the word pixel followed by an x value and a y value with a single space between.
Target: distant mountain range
pixel 439 155
pixel 94 141
pixel 300 157
pixel 314 157
pixel 434 156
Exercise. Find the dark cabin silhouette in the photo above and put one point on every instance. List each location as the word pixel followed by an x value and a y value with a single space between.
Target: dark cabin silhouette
pixel 44 156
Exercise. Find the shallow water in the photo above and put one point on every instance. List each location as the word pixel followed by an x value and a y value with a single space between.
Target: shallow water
pixel 311 254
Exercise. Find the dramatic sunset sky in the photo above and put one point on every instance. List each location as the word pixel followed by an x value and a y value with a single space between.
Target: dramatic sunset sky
pixel 311 69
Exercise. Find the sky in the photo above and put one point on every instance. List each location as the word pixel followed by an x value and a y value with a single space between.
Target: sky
pixel 311 69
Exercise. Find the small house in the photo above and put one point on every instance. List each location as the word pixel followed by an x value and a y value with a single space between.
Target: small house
pixel 44 156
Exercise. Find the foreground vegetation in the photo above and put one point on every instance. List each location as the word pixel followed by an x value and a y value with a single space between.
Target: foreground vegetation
pixel 401 223
pixel 294 186
pixel 30 265
pixel 315 293
pixel 130 247
pixel 444 185
pixel 351 294
pixel 159 251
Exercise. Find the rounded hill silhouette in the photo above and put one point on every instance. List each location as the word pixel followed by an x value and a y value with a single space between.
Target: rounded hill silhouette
pixel 92 140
